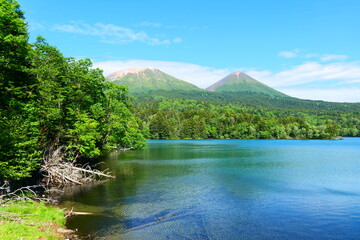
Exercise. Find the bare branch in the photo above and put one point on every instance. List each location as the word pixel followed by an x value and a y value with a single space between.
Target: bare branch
pixel 58 172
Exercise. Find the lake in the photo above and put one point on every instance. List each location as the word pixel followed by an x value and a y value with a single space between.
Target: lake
pixel 226 189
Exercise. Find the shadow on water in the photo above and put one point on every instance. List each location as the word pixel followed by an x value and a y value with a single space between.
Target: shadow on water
pixel 86 224
pixel 158 218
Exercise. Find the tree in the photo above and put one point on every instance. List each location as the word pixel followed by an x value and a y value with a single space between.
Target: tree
pixel 194 128
pixel 81 111
pixel 19 133
pixel 68 89
pixel 160 126
pixel 15 83
pixel 332 130
pixel 121 129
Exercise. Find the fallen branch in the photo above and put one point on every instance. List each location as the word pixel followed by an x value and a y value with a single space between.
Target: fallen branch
pixel 58 172
pixel 94 172
pixel 71 212
pixel 72 180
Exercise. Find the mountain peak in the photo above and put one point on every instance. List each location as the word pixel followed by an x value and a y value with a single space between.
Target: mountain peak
pixel 241 82
pixel 239 74
pixel 149 79
pixel 230 79
pixel 128 71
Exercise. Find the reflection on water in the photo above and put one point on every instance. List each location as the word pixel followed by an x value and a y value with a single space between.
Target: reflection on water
pixel 226 189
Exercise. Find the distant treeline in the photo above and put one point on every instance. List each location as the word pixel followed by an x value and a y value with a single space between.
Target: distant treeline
pixel 163 118
pixel 250 99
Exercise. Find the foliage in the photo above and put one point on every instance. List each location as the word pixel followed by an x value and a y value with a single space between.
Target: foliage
pixel 193 119
pixel 19 131
pixel 51 102
pixel 15 83
pixel 19 153
pixel 68 89
pixel 121 129
pixel 250 99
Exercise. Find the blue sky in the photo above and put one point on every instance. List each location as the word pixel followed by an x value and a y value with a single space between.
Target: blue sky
pixel 308 49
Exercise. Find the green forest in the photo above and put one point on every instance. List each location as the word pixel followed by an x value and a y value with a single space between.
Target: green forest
pixel 49 103
pixel 163 118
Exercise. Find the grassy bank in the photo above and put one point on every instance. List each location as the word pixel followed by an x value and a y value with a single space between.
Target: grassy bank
pixel 30 220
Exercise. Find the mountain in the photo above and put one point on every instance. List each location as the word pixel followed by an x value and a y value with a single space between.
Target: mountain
pixel 242 83
pixel 141 80
pixel 238 88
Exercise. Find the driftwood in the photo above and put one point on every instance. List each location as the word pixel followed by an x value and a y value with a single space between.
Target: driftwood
pixel 71 212
pixel 58 172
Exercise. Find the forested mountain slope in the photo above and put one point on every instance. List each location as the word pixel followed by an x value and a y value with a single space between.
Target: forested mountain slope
pixel 250 99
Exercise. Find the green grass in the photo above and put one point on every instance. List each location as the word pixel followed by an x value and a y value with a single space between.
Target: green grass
pixel 30 220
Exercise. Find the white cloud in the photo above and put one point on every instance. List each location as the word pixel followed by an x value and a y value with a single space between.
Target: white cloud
pixel 177 40
pixel 351 81
pixel 297 53
pixel 288 54
pixel 310 72
pixel 344 76
pixel 311 55
pixel 333 57
pixel 161 25
pixel 34 25
pixel 332 95
pixel 150 24
pixel 113 34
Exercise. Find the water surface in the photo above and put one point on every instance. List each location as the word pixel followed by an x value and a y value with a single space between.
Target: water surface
pixel 226 189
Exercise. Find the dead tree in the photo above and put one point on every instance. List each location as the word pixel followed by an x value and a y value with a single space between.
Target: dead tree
pixel 58 172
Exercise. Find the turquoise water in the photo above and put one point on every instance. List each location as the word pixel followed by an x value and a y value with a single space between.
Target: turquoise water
pixel 226 189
